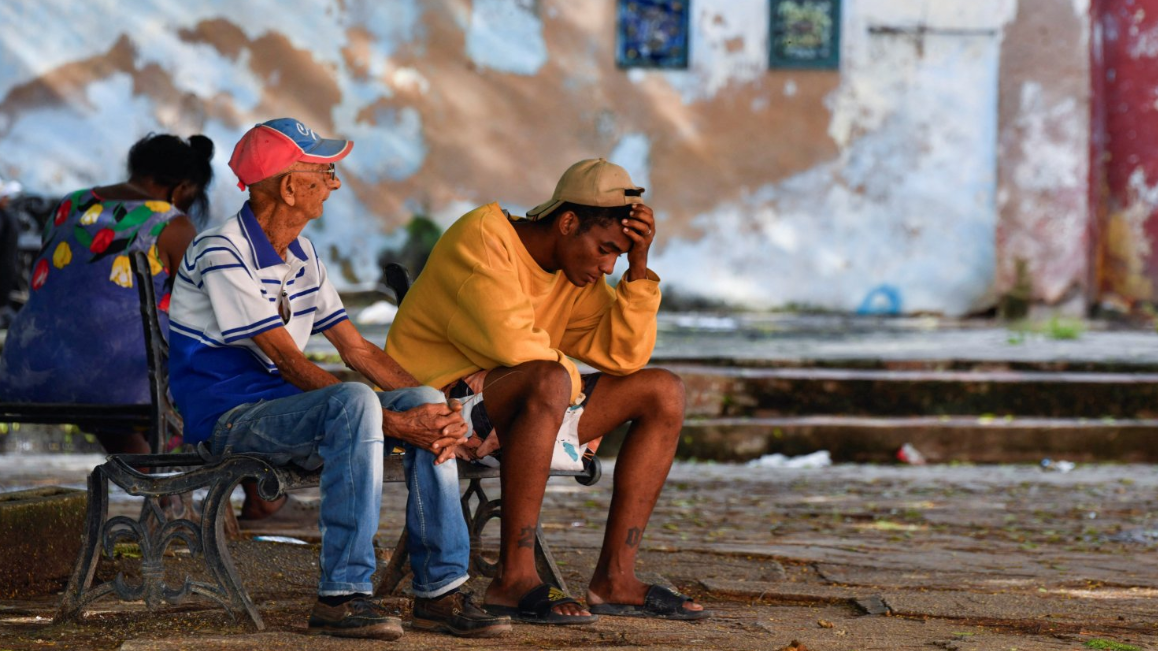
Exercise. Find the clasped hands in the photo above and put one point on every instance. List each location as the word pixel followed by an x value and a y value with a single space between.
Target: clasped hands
pixel 437 428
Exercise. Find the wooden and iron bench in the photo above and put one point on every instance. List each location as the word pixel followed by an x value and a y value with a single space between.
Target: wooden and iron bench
pixel 205 536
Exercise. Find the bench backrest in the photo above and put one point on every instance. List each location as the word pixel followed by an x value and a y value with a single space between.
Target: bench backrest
pixel 158 417
pixel 165 422
pixel 398 280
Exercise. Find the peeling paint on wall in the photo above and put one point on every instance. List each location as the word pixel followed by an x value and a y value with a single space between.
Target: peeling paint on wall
pixel 1043 161
pixel 939 14
pixel 908 204
pixel 239 80
pixel 773 187
pixel 1052 180
pixel 392 23
pixel 1126 242
pixel 1050 171
pixel 633 153
pixel 1126 166
pixel 49 136
pixel 506 35
pixel 396 138
pixel 729 48
pixel 316 25
pixel 1145 43
pixel 201 70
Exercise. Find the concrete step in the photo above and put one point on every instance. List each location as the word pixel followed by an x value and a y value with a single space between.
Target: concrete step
pixel 775 392
pixel 940 439
pixel 919 364
pixel 719 391
pixel 985 415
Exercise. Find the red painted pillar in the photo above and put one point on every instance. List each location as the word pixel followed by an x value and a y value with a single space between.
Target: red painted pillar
pixel 1124 150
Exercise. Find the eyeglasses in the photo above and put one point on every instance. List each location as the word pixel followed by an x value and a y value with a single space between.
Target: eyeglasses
pixel 283 305
pixel 331 172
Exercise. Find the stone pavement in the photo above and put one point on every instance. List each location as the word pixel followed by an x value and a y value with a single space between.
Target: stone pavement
pixel 848 557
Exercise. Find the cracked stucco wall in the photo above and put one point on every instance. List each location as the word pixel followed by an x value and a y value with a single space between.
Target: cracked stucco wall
pixel 907 181
pixel 1043 164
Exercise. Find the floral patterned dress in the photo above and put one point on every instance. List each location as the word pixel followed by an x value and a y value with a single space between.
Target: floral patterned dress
pixel 80 338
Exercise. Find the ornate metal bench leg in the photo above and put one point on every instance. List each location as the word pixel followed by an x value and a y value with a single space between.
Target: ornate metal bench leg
pixel 396 569
pixel 82 573
pixel 484 511
pixel 545 562
pixel 216 551
pixel 232 527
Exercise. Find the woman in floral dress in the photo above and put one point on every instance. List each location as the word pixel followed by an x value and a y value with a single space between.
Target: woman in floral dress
pixel 79 339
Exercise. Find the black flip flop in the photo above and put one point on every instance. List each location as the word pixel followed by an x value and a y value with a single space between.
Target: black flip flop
pixel 536 607
pixel 659 603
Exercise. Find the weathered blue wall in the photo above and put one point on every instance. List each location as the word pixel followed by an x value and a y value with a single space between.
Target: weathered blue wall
pixel 881 186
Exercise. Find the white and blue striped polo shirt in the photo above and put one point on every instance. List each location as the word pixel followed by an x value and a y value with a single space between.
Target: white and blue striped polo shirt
pixel 233 285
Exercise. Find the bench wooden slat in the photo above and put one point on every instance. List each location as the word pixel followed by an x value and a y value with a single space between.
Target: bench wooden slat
pixel 78 414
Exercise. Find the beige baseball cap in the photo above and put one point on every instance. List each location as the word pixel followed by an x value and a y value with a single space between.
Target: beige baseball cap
pixel 591 182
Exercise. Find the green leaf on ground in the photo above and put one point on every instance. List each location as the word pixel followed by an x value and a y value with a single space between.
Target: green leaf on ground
pixel 1061 328
pixel 886 525
pixel 1057 328
pixel 126 550
pixel 1098 643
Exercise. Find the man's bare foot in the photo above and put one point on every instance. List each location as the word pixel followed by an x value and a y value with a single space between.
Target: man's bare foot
pixel 631 591
pixel 509 595
pixel 259 509
pixel 256 508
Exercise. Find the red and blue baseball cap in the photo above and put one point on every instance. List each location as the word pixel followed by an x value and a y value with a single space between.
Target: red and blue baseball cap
pixel 271 147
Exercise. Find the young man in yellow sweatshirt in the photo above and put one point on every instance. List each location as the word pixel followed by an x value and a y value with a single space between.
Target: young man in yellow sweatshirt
pixel 501 306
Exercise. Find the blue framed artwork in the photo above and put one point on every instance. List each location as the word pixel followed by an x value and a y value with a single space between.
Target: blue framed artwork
pixel 805 34
pixel 652 34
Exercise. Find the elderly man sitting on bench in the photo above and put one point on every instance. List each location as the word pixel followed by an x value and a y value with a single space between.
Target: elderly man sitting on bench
pixel 500 306
pixel 248 295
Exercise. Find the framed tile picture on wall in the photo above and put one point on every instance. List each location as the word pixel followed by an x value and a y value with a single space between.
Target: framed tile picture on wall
pixel 652 34
pixel 805 34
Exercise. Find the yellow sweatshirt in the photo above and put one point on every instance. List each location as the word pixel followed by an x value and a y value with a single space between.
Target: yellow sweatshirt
pixel 483 302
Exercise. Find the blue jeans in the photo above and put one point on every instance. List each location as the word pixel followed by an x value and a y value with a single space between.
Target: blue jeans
pixel 340 429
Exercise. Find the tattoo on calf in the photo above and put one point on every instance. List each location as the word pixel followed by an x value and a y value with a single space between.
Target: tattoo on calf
pixel 634 536
pixel 527 538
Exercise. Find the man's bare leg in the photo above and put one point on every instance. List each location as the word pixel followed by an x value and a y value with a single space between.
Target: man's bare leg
pixel 123 442
pixel 526 405
pixel 653 400
pixel 255 506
